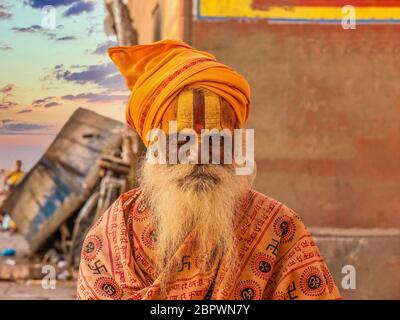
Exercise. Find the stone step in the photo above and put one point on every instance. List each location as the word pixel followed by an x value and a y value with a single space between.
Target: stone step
pixel 373 253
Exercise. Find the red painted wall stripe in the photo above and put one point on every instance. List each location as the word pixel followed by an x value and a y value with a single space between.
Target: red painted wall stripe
pixel 265 4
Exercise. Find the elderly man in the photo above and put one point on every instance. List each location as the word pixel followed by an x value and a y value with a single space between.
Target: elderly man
pixel 195 230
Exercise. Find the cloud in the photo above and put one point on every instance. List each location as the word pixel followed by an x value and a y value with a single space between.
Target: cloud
pixel 38 4
pixel 51 104
pixel 66 38
pixel 7 89
pixel 105 76
pixel 25 111
pixel 92 73
pixel 75 7
pixel 102 47
pixel 46 102
pixel 87 97
pixel 4 11
pixel 42 101
pixel 78 8
pixel 5 47
pixel 34 29
pixel 5 15
pixel 11 126
pixel 96 27
pixel 113 83
pixel 7 105
pixel 94 97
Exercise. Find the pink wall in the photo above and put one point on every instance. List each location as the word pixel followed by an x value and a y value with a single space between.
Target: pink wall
pixel 326 113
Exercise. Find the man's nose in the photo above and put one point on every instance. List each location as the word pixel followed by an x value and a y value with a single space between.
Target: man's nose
pixel 213 153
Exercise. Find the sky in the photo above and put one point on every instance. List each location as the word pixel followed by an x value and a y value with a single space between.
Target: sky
pixel 53 60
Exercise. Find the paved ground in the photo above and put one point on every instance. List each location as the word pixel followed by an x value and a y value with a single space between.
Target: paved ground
pixel 21 269
pixel 372 254
pixel 32 290
pixel 15 241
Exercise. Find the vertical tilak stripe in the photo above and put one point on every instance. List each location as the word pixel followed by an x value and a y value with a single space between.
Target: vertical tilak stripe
pixel 184 111
pixel 212 111
pixel 198 111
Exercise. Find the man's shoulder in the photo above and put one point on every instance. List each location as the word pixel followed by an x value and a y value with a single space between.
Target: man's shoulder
pixel 120 207
pixel 262 202
pixel 278 221
pixel 129 198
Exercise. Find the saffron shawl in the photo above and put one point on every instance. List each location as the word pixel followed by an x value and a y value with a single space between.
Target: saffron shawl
pixel 278 259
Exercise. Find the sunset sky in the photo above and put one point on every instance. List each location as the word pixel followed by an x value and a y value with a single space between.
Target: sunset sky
pixel 46 73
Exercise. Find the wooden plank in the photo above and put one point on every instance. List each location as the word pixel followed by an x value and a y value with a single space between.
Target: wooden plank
pixel 63 178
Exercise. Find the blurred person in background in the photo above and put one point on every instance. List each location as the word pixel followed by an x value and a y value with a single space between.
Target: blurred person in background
pixel 10 181
pixel 15 176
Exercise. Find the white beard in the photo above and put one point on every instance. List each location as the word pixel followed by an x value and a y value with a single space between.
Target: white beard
pixel 183 198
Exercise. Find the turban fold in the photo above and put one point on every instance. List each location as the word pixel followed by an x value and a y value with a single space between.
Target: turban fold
pixel 156 74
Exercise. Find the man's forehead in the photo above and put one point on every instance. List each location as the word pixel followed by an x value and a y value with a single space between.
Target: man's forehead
pixel 199 109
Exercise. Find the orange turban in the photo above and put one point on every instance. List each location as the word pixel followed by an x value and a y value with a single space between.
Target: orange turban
pixel 156 74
